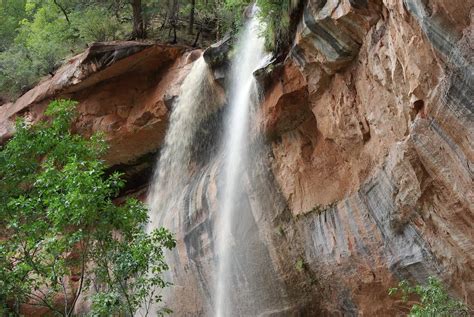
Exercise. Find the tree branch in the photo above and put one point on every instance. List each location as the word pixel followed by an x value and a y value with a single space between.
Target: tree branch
pixel 149 302
pixel 43 300
pixel 65 295
pixel 127 298
pixel 63 10
pixel 83 268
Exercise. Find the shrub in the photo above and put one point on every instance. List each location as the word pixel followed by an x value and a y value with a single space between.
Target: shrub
pixel 17 72
pixel 41 41
pixel 60 224
pixel 96 24
pixel 433 299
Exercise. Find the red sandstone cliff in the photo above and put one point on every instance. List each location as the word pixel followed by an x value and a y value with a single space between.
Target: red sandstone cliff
pixel 369 123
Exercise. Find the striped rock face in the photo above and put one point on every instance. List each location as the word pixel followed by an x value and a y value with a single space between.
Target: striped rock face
pixel 365 177
pixel 377 177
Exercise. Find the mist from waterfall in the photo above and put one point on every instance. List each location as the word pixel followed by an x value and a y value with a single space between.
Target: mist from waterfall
pixel 238 253
pixel 249 55
pixel 196 99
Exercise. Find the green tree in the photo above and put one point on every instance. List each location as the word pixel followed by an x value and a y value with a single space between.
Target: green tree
pixel 11 13
pixel 275 15
pixel 62 234
pixel 98 24
pixel 37 35
pixel 433 299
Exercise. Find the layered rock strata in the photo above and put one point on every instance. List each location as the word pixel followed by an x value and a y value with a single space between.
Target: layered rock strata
pixel 379 174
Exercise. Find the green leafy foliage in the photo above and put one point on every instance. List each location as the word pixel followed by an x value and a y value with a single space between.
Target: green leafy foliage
pixel 232 12
pixel 275 14
pixel 11 13
pixel 97 24
pixel 433 299
pixel 61 225
pixel 16 71
pixel 47 36
pixel 36 36
pixel 300 265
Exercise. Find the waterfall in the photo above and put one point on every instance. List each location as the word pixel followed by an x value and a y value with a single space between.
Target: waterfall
pixel 196 99
pixel 249 56
pixel 221 262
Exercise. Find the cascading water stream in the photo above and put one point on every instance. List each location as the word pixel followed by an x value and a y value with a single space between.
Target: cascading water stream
pixel 196 99
pixel 243 89
pixel 179 193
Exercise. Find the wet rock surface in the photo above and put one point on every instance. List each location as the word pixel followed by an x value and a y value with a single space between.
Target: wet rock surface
pixel 365 172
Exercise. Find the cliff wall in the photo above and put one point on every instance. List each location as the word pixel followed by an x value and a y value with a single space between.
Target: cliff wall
pixel 365 169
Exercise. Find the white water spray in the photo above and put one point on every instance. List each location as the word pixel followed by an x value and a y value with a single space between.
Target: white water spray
pixel 243 89
pixel 196 100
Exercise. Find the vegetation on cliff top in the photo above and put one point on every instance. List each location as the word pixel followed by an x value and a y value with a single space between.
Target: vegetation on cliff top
pixel 63 236
pixel 37 35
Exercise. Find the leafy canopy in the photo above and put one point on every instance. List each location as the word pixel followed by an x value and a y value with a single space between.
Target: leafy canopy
pixel 62 233
pixel 433 299
pixel 36 36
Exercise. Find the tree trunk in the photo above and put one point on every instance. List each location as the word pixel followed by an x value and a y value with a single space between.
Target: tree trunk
pixel 218 23
pixel 174 11
pixel 197 36
pixel 191 17
pixel 175 38
pixel 63 11
pixel 138 25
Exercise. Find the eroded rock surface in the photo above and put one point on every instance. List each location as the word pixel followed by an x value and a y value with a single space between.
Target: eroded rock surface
pixel 124 89
pixel 365 175
pixel 367 178
pixel 380 176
